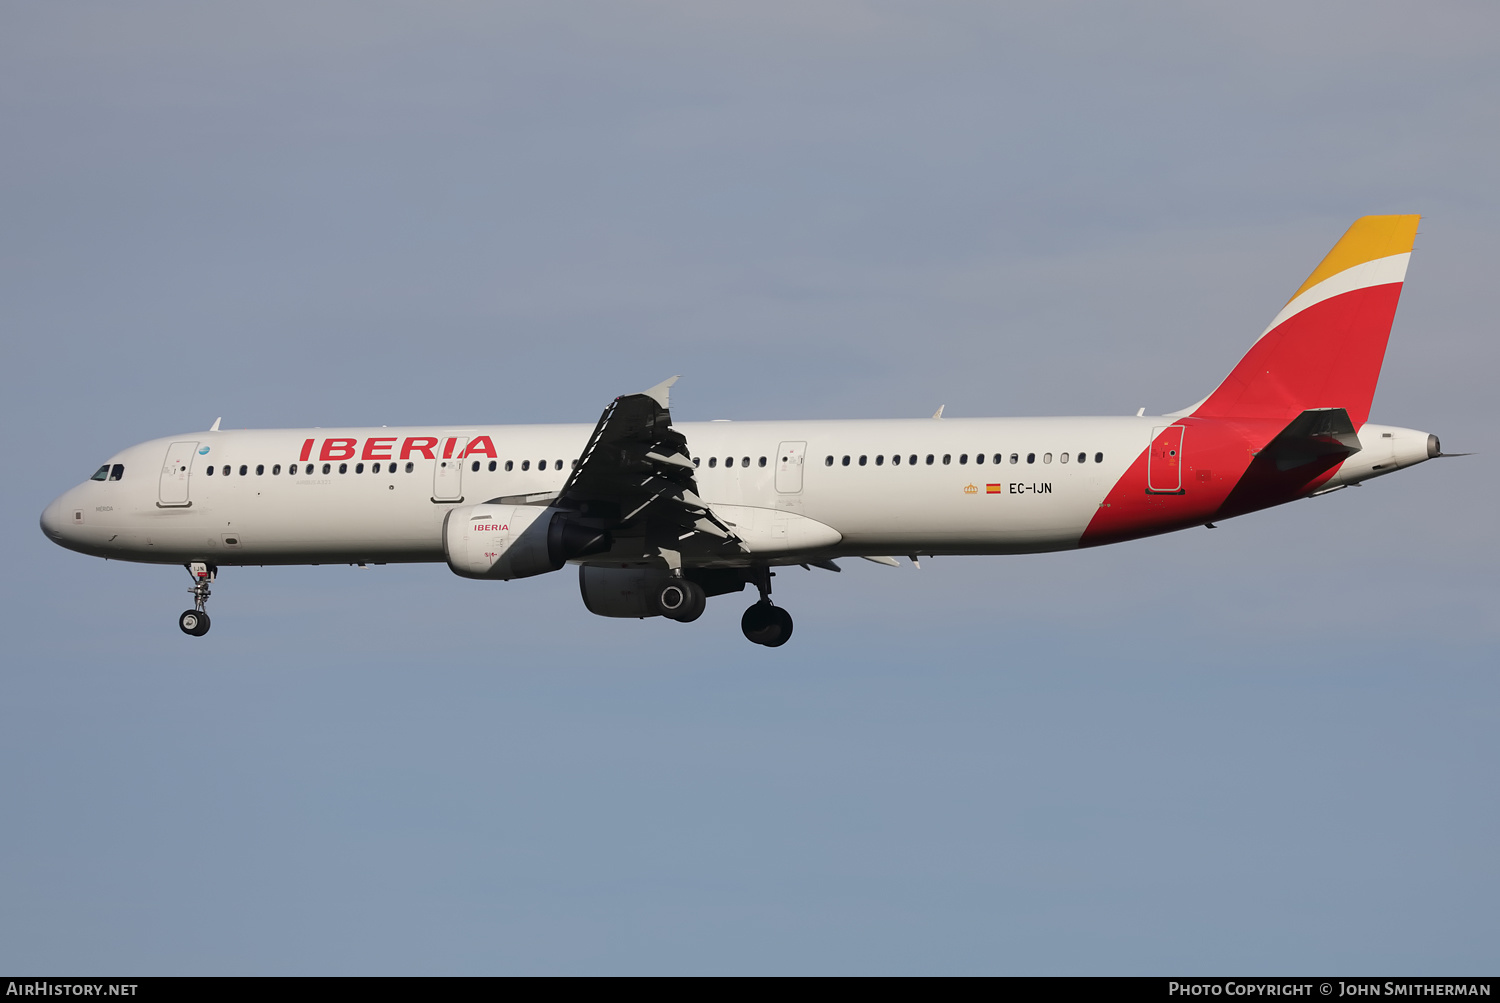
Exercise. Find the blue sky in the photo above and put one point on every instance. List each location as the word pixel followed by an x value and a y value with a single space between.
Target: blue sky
pixel 1269 748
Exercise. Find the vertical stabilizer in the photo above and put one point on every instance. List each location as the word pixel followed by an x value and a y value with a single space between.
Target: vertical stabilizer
pixel 1325 347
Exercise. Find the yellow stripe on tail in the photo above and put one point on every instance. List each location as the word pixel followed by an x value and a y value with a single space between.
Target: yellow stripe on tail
pixel 1369 238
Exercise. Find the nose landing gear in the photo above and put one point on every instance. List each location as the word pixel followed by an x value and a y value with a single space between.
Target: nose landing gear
pixel 765 623
pixel 195 621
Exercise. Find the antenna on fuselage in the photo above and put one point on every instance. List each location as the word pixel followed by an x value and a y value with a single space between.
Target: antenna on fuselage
pixel 215 426
pixel 939 412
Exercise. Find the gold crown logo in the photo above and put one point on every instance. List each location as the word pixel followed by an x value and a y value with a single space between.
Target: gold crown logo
pixel 971 489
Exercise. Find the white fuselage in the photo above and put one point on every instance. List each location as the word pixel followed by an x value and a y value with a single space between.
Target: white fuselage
pixel 254 510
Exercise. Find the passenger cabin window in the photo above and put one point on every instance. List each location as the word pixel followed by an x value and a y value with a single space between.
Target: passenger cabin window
pixel 510 465
pixel 101 474
pixel 557 465
pixel 209 471
pixel 713 461
pixel 864 460
pixel 1015 458
pixel 343 468
pixel 359 468
pixel 410 466
pixel 1030 457
pixel 947 458
pixel 762 461
pixel 1083 457
pixel 244 469
pixel 1064 457
pixel 978 457
pixel 1046 457
pixel 912 460
pixel 493 464
pixel 846 461
pixel 963 459
pixel 880 459
pixel 327 467
pixel 1098 457
pixel 896 459
pixel 475 466
pixel 828 461
pixel 929 459
pixel 260 469
pixel 999 457
pixel 525 464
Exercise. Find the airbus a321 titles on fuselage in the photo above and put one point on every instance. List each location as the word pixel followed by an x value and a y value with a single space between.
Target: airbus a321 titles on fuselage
pixel 659 517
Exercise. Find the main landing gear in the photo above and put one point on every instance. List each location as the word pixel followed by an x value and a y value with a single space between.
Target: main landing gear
pixel 681 600
pixel 195 621
pixel 764 623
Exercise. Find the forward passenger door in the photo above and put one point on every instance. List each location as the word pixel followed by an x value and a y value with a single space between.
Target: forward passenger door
pixel 172 490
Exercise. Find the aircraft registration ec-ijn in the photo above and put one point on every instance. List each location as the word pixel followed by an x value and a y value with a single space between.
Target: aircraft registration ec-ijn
pixel 659 516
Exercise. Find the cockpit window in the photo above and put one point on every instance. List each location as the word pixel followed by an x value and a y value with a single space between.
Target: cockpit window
pixel 101 473
pixel 117 471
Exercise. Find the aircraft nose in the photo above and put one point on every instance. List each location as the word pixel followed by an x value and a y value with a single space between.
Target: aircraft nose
pixel 54 520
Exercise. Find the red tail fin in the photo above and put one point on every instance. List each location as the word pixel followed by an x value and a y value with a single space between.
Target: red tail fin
pixel 1325 347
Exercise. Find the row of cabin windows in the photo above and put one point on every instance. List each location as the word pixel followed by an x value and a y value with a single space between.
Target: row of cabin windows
pixel 525 465
pixel 713 461
pixel 308 468
pixel 963 458
pixel 311 468
pixel 118 470
pixel 109 473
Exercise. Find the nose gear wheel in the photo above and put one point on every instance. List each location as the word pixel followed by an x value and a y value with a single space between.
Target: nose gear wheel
pixel 195 621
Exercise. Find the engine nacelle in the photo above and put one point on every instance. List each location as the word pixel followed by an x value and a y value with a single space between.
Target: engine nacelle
pixel 621 591
pixel 515 541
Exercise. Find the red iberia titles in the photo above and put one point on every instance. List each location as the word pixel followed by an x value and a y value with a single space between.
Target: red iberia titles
pixel 391 447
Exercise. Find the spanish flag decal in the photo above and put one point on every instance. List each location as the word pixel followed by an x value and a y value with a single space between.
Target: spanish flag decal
pixel 994 489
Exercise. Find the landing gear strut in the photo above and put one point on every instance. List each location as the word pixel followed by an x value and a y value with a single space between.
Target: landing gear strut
pixel 765 623
pixel 195 621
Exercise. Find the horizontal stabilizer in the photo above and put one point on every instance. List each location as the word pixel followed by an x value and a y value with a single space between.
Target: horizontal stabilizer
pixel 1313 435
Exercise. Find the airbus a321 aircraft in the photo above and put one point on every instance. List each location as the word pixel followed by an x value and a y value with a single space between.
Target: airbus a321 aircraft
pixel 661 516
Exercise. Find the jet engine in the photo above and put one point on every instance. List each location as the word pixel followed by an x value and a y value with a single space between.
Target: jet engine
pixel 515 541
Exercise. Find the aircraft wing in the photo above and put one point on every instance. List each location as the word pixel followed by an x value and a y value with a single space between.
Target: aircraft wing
pixel 636 476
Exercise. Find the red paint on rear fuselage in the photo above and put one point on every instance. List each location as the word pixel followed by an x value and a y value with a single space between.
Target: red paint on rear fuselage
pixel 1221 477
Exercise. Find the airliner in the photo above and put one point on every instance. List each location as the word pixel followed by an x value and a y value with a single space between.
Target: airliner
pixel 659 516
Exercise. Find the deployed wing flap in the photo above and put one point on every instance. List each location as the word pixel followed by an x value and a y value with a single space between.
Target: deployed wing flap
pixel 636 474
